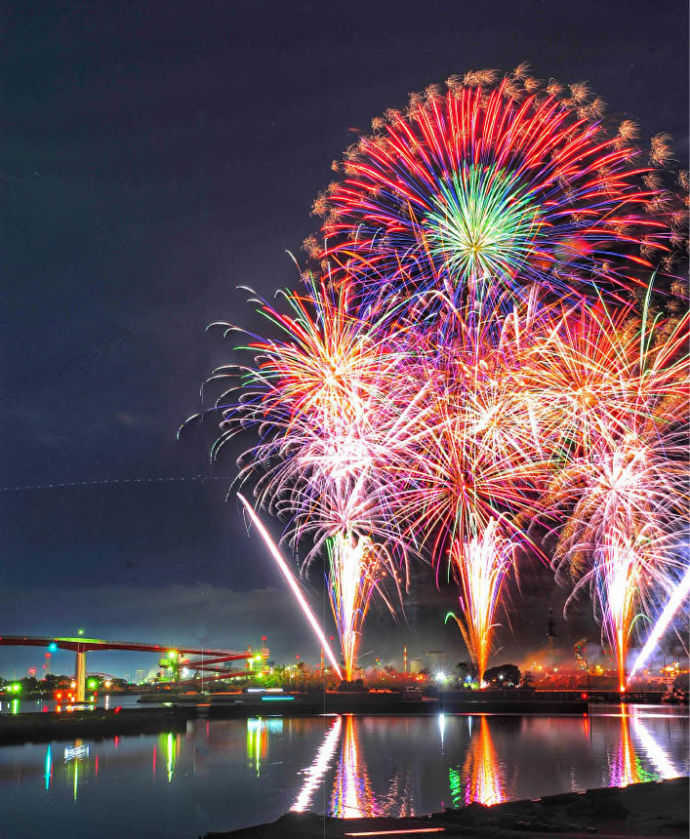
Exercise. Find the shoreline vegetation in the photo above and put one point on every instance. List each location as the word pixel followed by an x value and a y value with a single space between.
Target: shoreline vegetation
pixel 638 810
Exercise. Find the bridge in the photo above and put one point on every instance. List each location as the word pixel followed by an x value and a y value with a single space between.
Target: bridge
pixel 206 661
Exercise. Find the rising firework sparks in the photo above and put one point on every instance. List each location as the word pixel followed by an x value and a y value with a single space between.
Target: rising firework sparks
pixel 357 567
pixel 481 566
pixel 619 574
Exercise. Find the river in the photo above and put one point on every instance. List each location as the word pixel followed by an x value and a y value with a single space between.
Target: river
pixel 224 774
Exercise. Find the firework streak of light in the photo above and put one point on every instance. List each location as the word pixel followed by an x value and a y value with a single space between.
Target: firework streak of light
pixel 678 596
pixel 275 553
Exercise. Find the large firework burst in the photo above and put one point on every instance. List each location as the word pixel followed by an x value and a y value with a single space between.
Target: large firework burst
pixel 491 184
pixel 473 359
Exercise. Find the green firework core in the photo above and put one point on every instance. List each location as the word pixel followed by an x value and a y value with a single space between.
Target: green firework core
pixel 483 223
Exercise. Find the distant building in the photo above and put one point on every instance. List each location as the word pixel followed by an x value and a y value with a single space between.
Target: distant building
pixel 416 665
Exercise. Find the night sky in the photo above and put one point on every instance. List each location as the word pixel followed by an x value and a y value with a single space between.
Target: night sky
pixel 155 156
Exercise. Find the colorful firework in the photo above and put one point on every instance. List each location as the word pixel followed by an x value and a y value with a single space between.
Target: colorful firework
pixel 478 454
pixel 619 495
pixel 431 391
pixel 481 566
pixel 490 185
pixel 357 567
pixel 600 367
pixel 321 400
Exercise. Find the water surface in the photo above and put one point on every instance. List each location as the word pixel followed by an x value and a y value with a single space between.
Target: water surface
pixel 224 774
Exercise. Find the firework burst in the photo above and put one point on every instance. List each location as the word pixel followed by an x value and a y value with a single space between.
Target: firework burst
pixel 478 454
pixel 620 491
pixel 473 361
pixel 490 185
pixel 320 397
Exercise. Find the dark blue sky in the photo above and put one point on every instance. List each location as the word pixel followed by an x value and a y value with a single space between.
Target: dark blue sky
pixel 154 156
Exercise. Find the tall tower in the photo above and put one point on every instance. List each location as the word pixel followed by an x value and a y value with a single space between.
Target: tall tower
pixel 550 640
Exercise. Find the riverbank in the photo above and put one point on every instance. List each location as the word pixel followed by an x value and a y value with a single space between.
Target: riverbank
pixel 639 810
pixel 96 724
pixel 99 723
pixel 388 702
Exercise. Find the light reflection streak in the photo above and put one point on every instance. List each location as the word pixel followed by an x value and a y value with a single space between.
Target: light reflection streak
pixel 257 743
pixel 314 774
pixel 48 775
pixel 352 795
pixel 657 756
pixel 399 799
pixel 626 767
pixel 170 755
pixel 481 773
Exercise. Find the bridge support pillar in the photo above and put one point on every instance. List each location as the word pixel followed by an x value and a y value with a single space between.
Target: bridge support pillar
pixel 80 677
